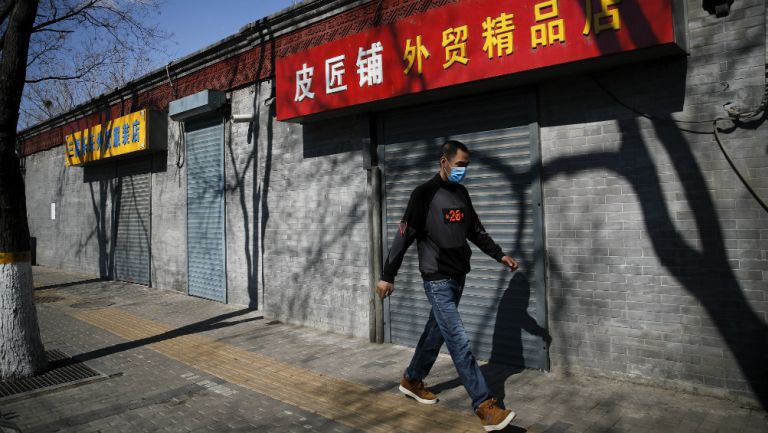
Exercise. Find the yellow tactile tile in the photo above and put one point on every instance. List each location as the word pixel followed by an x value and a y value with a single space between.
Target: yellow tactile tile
pixel 345 402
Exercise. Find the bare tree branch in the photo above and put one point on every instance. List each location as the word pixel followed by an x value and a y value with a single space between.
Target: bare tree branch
pixel 84 48
pixel 55 78
pixel 33 56
pixel 56 31
pixel 67 16
pixel 77 76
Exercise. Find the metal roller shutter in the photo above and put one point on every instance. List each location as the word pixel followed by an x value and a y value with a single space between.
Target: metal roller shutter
pixel 205 209
pixel 133 231
pixel 501 313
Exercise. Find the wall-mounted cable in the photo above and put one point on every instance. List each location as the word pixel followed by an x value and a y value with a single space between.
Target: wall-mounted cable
pixel 180 145
pixel 736 116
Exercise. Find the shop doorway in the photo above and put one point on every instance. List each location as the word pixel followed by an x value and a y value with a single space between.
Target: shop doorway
pixel 133 216
pixel 504 314
pixel 206 251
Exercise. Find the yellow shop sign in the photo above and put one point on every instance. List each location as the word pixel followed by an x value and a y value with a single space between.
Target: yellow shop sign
pixel 124 135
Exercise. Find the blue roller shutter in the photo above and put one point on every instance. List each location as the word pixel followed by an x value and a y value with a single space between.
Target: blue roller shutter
pixel 206 261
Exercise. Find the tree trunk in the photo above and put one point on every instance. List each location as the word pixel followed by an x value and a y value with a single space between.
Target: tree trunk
pixel 21 349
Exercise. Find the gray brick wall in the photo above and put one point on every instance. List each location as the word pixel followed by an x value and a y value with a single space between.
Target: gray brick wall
pixel 306 218
pixel 297 243
pixel 657 255
pixel 80 238
pixel 82 228
pixel 169 216
pixel 243 201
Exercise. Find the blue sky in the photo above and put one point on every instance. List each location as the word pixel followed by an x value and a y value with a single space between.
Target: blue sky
pixel 196 24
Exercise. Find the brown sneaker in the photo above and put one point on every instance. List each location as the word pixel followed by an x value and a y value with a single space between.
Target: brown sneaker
pixel 417 390
pixel 492 416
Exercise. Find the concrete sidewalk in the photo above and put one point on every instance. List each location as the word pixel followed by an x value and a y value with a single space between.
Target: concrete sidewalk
pixel 181 364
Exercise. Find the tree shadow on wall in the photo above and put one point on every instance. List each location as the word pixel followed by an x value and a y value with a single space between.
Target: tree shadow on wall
pixel 255 221
pixel 112 191
pixel 705 271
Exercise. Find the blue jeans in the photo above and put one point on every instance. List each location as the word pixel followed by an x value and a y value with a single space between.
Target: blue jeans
pixel 445 325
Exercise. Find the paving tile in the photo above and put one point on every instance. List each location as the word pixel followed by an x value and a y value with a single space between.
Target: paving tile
pixel 189 365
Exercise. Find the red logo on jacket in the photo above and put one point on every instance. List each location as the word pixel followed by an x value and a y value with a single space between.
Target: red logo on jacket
pixel 453 215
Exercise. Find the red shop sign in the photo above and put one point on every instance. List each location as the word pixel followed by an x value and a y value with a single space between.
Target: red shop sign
pixel 466 41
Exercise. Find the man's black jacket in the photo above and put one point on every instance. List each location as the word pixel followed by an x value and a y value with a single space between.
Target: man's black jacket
pixel 441 217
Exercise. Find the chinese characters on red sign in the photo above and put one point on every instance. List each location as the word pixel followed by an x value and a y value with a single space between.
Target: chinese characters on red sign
pixel 467 41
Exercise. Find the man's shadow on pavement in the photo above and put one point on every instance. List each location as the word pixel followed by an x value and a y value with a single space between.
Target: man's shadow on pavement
pixel 507 353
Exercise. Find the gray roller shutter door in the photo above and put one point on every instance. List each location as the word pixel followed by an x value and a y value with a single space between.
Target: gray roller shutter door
pixel 205 209
pixel 133 217
pixel 501 314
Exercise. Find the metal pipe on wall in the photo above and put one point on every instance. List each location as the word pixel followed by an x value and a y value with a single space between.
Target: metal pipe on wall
pixel 376 310
pixel 375 248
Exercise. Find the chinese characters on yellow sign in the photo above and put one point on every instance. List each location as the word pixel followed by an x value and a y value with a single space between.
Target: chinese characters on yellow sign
pixel 123 135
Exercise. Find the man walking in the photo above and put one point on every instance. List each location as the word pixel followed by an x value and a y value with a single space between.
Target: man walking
pixel 440 216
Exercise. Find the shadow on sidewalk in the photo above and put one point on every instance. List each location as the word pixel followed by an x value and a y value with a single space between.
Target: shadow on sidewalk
pixel 495 375
pixel 69 284
pixel 210 324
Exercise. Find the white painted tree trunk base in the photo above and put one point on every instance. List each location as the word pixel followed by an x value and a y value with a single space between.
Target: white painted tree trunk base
pixel 21 350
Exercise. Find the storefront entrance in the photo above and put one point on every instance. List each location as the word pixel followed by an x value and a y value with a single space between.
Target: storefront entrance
pixel 504 314
pixel 206 264
pixel 133 204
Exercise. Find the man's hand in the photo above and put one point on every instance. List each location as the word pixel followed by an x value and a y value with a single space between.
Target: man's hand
pixel 384 289
pixel 510 263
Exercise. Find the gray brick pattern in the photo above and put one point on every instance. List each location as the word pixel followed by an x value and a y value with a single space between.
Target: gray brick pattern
pixel 81 238
pixel 169 216
pixel 306 217
pixel 657 255
pixel 296 209
pixel 82 228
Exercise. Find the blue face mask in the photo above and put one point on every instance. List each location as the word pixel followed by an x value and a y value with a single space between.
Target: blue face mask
pixel 457 174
